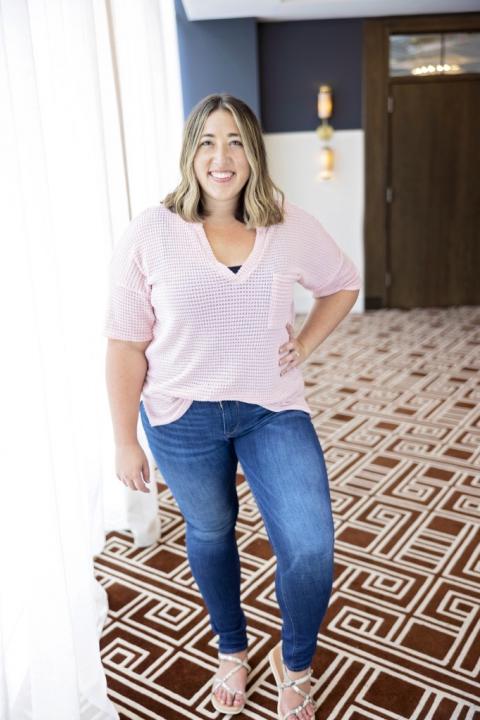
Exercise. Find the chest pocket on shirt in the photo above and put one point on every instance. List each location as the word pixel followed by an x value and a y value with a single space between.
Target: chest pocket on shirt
pixel 281 298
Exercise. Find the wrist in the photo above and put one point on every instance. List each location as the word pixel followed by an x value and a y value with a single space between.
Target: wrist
pixel 126 442
pixel 306 349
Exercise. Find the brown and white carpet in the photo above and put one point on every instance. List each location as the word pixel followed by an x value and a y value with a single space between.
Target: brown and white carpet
pixel 396 398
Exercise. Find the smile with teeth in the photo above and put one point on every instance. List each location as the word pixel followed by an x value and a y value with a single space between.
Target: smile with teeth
pixel 221 177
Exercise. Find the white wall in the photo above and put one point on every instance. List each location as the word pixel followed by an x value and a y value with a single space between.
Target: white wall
pixel 293 161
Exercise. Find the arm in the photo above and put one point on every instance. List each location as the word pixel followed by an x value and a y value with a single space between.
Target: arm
pixel 126 367
pixel 129 322
pixel 325 315
pixel 329 273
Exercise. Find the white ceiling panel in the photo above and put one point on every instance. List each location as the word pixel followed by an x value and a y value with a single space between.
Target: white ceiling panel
pixel 282 10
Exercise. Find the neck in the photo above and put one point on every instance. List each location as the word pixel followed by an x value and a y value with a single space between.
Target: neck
pixel 223 222
pixel 221 213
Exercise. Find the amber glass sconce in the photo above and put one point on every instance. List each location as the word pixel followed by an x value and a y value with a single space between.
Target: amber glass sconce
pixel 325 131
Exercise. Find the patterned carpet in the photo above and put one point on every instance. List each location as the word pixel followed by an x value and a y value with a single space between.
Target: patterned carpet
pixel 396 399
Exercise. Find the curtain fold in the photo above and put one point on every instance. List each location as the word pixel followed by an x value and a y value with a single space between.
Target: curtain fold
pixel 90 131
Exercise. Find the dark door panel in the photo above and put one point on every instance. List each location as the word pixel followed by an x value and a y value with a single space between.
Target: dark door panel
pixel 433 219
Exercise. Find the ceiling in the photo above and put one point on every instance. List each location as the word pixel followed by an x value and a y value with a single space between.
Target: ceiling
pixel 282 10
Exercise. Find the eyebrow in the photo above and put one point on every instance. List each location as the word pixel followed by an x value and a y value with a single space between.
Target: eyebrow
pixel 229 135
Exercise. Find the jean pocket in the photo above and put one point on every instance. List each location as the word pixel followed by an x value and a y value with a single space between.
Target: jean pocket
pixel 281 308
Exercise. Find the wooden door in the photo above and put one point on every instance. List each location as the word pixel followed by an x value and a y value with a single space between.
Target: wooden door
pixel 433 174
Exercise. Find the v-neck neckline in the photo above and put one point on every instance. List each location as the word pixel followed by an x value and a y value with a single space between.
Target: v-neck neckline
pixel 248 265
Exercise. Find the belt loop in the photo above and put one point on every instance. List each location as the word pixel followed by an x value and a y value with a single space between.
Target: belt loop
pixel 221 404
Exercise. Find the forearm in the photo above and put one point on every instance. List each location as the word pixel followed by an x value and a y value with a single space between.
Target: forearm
pixel 126 368
pixel 325 315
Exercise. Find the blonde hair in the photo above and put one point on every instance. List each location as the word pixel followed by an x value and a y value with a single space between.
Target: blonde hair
pixel 257 205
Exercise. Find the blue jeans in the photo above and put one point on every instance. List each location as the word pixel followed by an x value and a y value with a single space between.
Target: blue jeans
pixel 284 467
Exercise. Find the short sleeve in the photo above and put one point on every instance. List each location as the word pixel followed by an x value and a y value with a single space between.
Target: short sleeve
pixel 325 268
pixel 129 313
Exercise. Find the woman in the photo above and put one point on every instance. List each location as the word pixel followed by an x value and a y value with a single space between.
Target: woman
pixel 199 322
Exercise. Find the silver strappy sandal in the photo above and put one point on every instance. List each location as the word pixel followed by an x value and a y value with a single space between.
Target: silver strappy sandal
pixel 217 681
pixel 279 670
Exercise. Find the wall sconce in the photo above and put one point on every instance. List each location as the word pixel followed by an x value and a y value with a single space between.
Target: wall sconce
pixel 325 131
pixel 326 163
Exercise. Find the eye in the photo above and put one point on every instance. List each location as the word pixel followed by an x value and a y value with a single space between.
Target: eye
pixel 204 142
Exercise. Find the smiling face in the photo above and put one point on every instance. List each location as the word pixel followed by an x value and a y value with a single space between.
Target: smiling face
pixel 220 164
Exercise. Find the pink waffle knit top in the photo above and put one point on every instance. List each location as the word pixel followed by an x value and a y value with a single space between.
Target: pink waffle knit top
pixel 215 334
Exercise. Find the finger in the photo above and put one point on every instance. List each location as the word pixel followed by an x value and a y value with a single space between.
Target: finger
pixel 140 485
pixel 286 367
pixel 293 360
pixel 146 472
pixel 129 483
pixel 287 356
pixel 286 347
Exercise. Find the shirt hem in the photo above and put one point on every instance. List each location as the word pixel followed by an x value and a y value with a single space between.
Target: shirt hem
pixel 157 418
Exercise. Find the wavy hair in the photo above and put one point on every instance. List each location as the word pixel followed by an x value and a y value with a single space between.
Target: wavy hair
pixel 257 204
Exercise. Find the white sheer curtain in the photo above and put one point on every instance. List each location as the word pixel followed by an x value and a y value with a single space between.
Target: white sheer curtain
pixel 90 132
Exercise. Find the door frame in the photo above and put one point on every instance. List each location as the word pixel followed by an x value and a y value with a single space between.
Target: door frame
pixel 375 77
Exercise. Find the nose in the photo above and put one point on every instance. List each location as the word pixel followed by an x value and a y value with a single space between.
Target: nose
pixel 221 152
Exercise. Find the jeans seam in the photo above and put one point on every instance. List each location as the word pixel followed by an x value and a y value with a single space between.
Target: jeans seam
pixel 289 615
pixel 230 435
pixel 280 577
pixel 223 421
pixel 238 418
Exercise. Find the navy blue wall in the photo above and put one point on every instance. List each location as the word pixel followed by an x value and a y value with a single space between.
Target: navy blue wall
pixel 274 67
pixel 295 58
pixel 218 56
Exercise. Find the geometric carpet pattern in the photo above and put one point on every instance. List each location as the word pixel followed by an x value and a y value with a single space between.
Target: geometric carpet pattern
pixel 396 402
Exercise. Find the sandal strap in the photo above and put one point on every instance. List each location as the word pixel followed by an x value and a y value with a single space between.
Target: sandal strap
pixel 290 683
pixel 294 683
pixel 299 708
pixel 217 681
pixel 237 660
